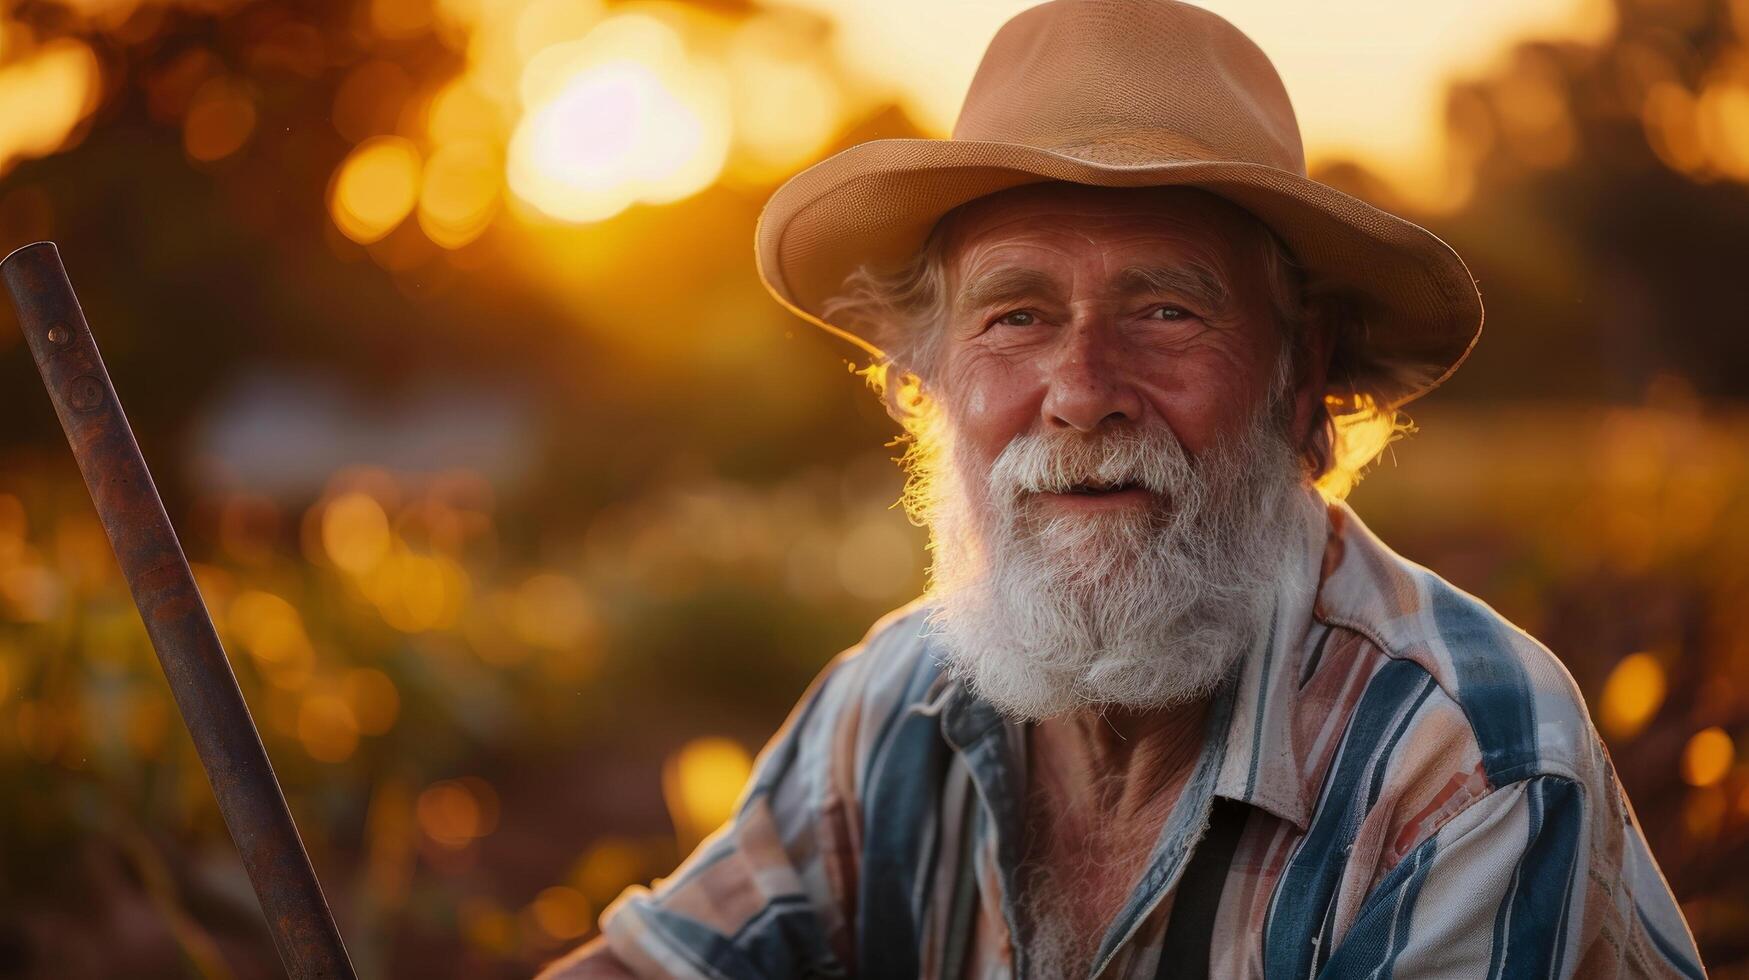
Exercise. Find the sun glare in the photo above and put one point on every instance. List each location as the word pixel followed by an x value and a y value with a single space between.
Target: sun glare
pixel 615 119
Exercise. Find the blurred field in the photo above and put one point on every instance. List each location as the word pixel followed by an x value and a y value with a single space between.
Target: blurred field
pixel 526 514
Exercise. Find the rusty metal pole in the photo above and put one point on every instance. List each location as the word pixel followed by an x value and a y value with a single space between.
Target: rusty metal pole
pixel 176 619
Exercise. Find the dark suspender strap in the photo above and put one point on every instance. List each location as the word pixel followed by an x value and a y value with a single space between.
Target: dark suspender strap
pixel 1191 927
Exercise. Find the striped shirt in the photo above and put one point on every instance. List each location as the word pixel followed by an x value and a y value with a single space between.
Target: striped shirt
pixel 1423 795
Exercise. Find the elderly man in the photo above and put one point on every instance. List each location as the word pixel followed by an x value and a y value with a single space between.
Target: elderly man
pixel 1168 709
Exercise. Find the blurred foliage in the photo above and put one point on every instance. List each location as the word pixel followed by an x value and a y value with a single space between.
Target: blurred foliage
pixel 525 514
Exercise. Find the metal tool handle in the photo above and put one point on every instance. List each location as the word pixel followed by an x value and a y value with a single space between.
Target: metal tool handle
pixel 176 619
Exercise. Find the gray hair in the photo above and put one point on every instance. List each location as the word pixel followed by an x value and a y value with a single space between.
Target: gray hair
pixel 903 310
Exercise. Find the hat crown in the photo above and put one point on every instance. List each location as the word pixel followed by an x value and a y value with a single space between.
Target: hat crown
pixel 1131 82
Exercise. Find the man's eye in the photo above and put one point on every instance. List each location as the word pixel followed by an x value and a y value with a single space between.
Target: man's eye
pixel 1018 318
pixel 1171 313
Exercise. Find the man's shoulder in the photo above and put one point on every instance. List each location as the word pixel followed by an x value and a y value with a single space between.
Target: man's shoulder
pixel 1476 694
pixel 1521 705
pixel 894 659
pixel 893 668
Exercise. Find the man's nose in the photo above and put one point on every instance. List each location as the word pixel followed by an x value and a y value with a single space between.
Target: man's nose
pixel 1088 383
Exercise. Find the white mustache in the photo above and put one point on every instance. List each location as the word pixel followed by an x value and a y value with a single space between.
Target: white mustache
pixel 1064 461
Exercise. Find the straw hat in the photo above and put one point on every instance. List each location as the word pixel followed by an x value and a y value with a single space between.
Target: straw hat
pixel 1126 93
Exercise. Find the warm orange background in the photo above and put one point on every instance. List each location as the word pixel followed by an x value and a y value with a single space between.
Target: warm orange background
pixel 526 514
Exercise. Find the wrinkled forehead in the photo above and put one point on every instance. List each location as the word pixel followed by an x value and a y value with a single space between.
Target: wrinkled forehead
pixel 1004 227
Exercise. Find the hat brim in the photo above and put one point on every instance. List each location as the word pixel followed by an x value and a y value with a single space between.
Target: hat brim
pixel 876 202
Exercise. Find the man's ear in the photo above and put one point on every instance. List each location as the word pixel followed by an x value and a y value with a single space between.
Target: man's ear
pixel 901 390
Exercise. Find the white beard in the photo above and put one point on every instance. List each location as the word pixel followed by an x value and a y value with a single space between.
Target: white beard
pixel 1139 608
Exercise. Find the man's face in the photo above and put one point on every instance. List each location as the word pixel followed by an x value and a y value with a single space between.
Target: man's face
pixel 1105 462
pixel 1075 308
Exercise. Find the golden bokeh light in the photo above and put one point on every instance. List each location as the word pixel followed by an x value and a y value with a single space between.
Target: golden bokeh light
pixel 29 589
pixel 220 119
pixel 43 96
pixel 562 912
pixel 1669 117
pixel 373 698
pixel 1722 113
pixel 460 112
pixel 448 814
pixel 618 118
pixel 702 783
pixel 552 611
pixel 610 864
pixel 1708 757
pixel 327 728
pixel 271 631
pixel 375 188
pixel 459 195
pixel 355 532
pixel 1631 696
pixel 455 812
pixel 416 592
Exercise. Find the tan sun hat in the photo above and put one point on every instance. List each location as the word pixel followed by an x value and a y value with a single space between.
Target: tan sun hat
pixel 1125 93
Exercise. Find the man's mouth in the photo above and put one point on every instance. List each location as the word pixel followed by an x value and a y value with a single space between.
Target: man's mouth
pixel 1100 495
pixel 1102 489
